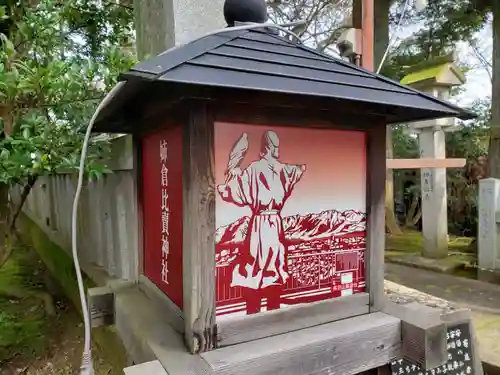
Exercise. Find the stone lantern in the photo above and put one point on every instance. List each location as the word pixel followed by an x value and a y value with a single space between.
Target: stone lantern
pixel 436 78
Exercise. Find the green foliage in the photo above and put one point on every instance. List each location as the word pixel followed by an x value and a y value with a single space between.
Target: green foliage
pixel 441 26
pixel 57 60
pixel 436 32
pixel 470 142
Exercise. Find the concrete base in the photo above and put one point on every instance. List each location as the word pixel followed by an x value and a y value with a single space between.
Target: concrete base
pixel 147 335
pixel 489 276
pixel 149 368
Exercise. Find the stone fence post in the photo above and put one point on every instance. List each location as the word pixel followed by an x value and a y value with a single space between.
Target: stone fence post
pixel 487 236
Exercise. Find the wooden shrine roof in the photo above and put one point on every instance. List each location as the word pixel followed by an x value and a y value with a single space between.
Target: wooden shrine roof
pixel 261 61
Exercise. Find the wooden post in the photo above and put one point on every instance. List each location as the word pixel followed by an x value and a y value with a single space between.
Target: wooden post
pixel 375 242
pixel 425 163
pixel 368 37
pixel 160 25
pixel 198 231
pixel 423 334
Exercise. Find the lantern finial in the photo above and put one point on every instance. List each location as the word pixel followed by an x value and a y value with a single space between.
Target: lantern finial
pixel 245 11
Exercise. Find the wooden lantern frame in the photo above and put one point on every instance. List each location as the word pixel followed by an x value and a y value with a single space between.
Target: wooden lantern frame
pixel 198 85
pixel 197 320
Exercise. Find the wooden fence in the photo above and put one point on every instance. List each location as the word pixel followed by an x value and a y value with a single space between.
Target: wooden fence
pixel 107 224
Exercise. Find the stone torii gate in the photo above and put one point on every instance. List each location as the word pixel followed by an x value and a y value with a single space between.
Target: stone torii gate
pixel 435 78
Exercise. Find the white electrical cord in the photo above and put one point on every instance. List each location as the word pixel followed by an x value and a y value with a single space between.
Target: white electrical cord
pixel 393 38
pixel 87 365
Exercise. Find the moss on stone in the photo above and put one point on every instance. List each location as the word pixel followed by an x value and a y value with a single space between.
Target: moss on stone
pixel 23 324
pixel 413 242
pixel 423 74
pixel 60 264
pixel 408 242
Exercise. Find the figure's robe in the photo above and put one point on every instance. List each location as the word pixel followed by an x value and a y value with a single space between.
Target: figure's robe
pixel 264 186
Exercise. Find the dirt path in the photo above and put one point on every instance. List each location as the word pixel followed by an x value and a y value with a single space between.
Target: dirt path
pixel 469 293
pixel 63 354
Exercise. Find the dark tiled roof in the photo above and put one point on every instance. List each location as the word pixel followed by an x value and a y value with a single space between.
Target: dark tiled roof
pixel 262 61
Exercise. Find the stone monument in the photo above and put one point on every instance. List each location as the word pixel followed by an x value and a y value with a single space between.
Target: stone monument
pixel 487 235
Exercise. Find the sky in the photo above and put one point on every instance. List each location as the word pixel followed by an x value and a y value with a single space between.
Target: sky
pixel 478 85
pixel 335 177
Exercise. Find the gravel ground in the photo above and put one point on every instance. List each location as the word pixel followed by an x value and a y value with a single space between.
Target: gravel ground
pixel 402 295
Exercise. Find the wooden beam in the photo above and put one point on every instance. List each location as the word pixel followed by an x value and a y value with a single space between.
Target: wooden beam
pixel 424 163
pixel 198 208
pixel 252 327
pixel 173 314
pixel 350 346
pixel 423 334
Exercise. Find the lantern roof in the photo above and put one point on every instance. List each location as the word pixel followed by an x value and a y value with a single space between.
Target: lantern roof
pixel 259 60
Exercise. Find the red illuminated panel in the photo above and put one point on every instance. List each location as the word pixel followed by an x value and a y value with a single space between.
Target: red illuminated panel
pixel 290 216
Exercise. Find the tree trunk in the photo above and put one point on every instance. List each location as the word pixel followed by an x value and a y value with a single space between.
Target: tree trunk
pixel 380 45
pixel 10 234
pixel 411 212
pixel 494 147
pixel 417 217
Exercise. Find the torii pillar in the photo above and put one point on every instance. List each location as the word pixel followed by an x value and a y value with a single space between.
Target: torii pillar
pixel 161 24
pixel 436 79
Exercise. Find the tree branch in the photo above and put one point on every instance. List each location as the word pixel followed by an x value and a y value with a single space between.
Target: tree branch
pixel 483 61
pixel 49 105
pixel 24 195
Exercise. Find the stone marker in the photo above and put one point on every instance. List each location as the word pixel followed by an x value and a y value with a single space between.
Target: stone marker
pixel 101 306
pixel 487 236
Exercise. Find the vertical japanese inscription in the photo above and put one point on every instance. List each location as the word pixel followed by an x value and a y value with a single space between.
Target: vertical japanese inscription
pixel 165 211
pixel 161 193
pixel 460 356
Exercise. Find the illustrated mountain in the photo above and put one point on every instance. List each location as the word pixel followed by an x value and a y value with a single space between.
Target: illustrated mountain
pixel 299 229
